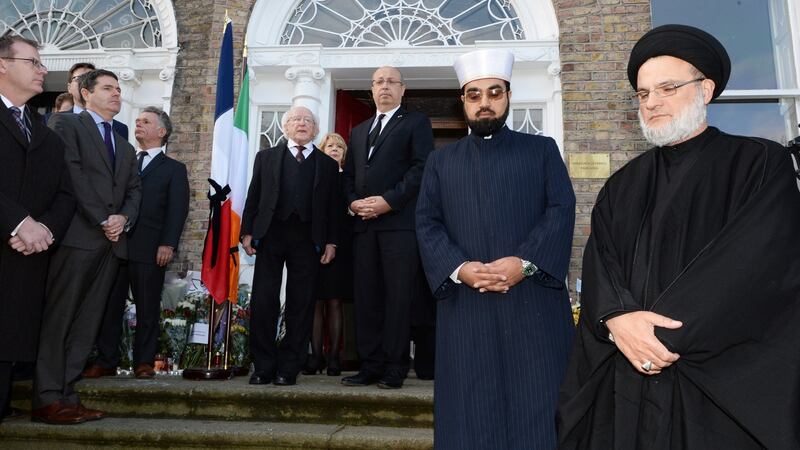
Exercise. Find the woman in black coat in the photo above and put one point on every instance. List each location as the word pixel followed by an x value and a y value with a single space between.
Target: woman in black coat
pixel 334 283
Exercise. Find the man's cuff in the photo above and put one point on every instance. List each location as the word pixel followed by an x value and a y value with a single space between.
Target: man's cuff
pixel 454 275
pixel 48 230
pixel 16 229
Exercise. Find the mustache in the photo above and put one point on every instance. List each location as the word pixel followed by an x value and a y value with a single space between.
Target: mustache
pixel 484 109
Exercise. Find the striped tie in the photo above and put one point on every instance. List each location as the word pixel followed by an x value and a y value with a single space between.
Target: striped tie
pixel 21 122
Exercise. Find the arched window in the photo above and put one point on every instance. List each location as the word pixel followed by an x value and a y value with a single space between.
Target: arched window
pixel 372 23
pixel 84 24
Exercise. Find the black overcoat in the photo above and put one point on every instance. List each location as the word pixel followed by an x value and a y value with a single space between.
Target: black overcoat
pixel 33 182
pixel 730 234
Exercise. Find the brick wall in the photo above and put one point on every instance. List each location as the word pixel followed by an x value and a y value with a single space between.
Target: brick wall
pixel 200 26
pixel 596 37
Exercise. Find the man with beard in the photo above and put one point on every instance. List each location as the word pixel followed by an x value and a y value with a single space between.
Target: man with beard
pixel 687 336
pixel 494 221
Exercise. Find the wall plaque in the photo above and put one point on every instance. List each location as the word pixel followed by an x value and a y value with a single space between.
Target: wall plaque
pixel 589 165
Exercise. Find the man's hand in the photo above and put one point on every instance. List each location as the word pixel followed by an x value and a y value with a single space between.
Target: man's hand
pixel 473 275
pixel 114 226
pixel 247 245
pixel 330 253
pixel 510 268
pixel 35 237
pixel 17 244
pixel 634 335
pixel 370 207
pixel 164 255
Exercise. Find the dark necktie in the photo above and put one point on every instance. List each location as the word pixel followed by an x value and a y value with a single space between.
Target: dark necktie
pixel 141 155
pixel 300 157
pixel 376 131
pixel 20 122
pixel 109 144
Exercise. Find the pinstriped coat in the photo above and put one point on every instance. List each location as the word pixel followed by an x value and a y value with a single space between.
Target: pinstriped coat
pixel 499 357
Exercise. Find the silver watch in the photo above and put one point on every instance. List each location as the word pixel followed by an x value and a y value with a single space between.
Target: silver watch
pixel 528 268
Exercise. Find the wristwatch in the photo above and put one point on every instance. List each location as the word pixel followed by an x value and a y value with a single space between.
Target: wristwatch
pixel 528 268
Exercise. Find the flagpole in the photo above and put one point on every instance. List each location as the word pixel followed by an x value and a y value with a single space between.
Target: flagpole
pixel 208 372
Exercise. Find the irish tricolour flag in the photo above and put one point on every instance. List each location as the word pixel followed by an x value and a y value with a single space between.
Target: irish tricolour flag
pixel 228 180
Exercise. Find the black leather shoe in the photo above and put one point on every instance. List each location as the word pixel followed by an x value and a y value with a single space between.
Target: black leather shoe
pixel 392 379
pixel 334 367
pixel 360 379
pixel 283 380
pixel 260 378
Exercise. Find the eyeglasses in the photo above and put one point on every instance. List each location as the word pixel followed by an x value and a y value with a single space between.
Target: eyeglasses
pixel 388 81
pixel 75 78
pixel 665 90
pixel 305 120
pixel 475 95
pixel 34 62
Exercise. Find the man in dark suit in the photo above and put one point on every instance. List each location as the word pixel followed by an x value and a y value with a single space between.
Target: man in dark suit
pixel 102 166
pixel 290 217
pixel 73 87
pixel 382 178
pixel 36 205
pixel 151 245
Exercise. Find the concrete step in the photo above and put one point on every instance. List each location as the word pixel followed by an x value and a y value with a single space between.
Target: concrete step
pixel 136 433
pixel 316 399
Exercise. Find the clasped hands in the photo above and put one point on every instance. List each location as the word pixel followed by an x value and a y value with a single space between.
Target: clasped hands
pixel 114 226
pixel 634 335
pixel 370 207
pixel 496 276
pixel 32 237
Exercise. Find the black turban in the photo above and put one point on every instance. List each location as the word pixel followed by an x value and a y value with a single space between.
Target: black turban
pixel 690 44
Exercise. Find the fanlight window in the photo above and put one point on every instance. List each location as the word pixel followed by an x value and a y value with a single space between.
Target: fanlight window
pixel 83 24
pixel 376 23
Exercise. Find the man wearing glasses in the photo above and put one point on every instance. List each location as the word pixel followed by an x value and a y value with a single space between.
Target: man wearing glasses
pixel 688 332
pixel 36 205
pixel 494 221
pixel 382 177
pixel 290 218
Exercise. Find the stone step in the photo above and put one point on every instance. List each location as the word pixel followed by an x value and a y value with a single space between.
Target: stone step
pixel 136 433
pixel 316 399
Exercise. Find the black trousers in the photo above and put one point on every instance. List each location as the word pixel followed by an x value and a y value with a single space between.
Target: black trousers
pixel 287 242
pixel 6 369
pixel 146 281
pixel 387 277
pixel 78 284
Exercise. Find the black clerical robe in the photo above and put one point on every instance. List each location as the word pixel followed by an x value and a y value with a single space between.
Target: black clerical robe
pixel 722 255
pixel 499 357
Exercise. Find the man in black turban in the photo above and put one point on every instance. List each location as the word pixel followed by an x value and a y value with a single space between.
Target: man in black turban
pixel 691 276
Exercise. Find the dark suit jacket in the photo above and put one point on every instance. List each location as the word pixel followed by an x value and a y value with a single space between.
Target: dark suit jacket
pixel 264 191
pixel 99 190
pixel 163 211
pixel 120 128
pixel 33 182
pixel 394 171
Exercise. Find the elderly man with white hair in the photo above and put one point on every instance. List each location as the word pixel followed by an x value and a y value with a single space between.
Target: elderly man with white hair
pixel 290 217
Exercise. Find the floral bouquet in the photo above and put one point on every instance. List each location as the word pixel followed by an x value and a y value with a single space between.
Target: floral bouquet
pixel 240 328
pixel 126 343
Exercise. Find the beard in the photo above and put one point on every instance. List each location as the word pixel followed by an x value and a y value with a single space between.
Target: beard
pixel 682 125
pixel 486 127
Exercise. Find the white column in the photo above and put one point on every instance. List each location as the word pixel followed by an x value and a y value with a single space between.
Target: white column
pixel 129 82
pixel 307 86
pixel 555 109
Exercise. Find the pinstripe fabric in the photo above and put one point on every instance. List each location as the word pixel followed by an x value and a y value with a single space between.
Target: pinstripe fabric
pixel 499 357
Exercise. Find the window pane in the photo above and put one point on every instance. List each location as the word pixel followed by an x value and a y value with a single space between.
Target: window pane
pixel 753 32
pixel 751 119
